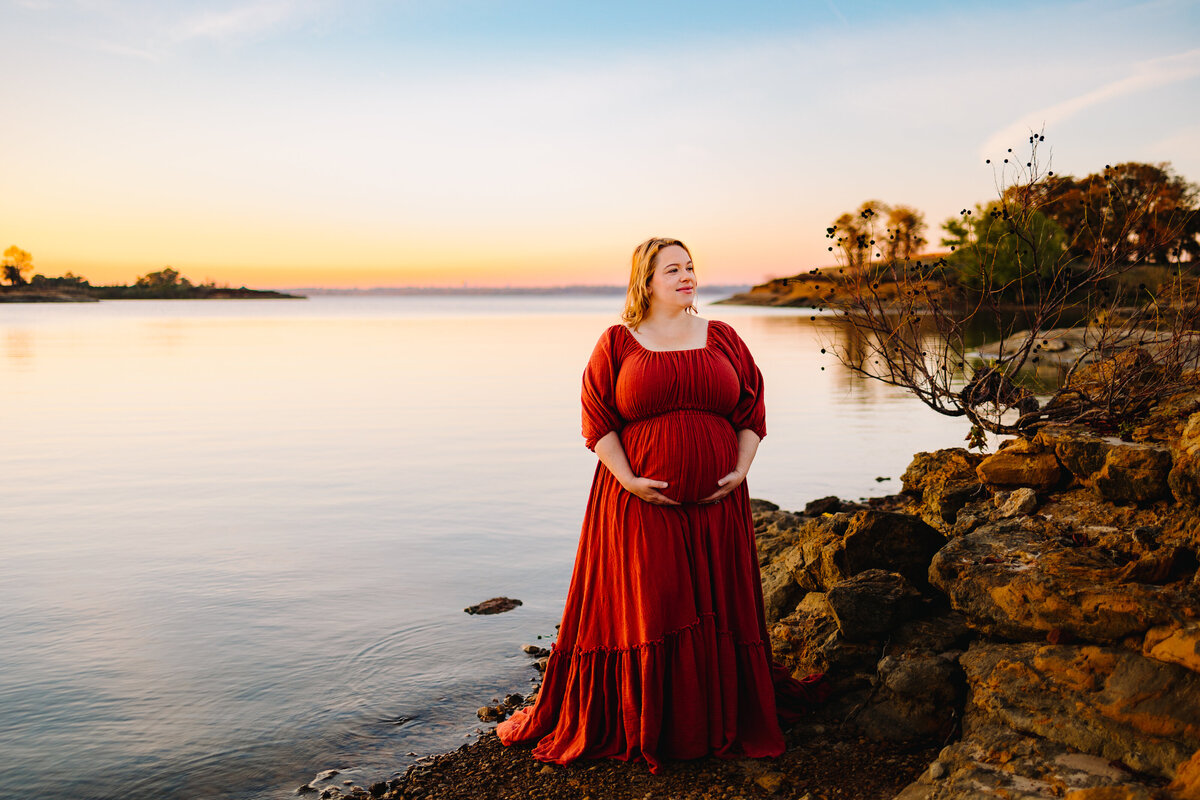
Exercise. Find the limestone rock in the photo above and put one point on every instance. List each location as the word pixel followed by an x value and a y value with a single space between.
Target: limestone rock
pixel 871 603
pixel 895 542
pixel 1020 465
pixel 1174 644
pixel 1017 580
pixel 780 591
pixel 919 698
pixel 1186 785
pixel 1016 503
pixel 1184 478
pixel 1103 701
pixel 824 505
pixel 808 640
pixel 774 532
pixel 1123 792
pixel 1133 473
pixel 945 480
pixel 993 761
pixel 1080 451
pixel 816 561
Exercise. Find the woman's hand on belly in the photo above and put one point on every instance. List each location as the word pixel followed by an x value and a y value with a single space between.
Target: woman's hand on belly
pixel 612 455
pixel 725 486
pixel 648 490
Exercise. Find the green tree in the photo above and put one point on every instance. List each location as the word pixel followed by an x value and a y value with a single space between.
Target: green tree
pixel 994 251
pixel 1130 213
pixel 16 263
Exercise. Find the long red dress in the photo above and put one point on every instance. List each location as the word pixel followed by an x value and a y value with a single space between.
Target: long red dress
pixel 663 650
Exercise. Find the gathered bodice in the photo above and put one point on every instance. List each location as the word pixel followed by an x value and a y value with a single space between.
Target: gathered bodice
pixel 655 382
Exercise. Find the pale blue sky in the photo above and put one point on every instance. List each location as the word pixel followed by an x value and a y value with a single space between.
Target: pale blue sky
pixel 285 142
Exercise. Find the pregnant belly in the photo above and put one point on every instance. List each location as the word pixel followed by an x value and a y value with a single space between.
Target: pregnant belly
pixel 690 450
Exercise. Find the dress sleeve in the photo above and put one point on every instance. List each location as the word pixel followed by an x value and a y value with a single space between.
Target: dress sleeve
pixel 600 414
pixel 750 412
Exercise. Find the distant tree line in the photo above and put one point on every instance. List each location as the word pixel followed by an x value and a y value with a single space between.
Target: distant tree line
pixel 1130 214
pixel 162 284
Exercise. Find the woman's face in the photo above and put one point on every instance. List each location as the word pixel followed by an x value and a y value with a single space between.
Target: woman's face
pixel 673 283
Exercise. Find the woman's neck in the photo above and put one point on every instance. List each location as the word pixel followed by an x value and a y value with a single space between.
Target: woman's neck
pixel 667 318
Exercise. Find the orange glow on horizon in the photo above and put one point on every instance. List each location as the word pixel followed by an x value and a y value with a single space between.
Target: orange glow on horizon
pixel 721 260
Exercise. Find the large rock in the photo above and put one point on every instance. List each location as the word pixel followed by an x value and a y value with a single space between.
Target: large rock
pixel 838 547
pixel 780 591
pixel 808 641
pixel 1174 644
pixel 1080 451
pixel 774 532
pixel 871 603
pixel 1122 472
pixel 1021 463
pixel 919 697
pixel 1098 700
pixel 1184 478
pixel 1186 785
pixel 895 542
pixel 1023 579
pixel 1133 473
pixel 945 481
pixel 994 761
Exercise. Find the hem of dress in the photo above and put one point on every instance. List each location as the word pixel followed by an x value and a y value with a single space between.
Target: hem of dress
pixel 661 640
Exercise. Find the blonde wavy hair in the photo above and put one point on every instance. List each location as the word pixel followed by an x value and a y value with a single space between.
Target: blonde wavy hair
pixel 637 297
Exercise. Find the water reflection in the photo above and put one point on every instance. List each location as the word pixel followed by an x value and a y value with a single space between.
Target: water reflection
pixel 239 535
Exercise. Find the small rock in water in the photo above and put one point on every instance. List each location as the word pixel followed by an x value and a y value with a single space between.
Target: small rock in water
pixel 823 505
pixel 496 605
pixel 305 789
pixel 326 775
pixel 492 713
pixel 513 699
pixel 534 650
pixel 378 789
pixel 331 793
pixel 881 479
pixel 541 663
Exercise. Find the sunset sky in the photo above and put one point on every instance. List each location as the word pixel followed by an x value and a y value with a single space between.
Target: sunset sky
pixel 288 143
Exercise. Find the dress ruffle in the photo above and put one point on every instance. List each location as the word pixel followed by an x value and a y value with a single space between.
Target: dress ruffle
pixel 693 692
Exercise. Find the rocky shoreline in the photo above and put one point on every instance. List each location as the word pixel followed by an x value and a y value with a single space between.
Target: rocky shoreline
pixel 1020 625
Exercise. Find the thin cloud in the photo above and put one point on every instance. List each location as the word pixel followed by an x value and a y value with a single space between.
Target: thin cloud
pixel 1146 75
pixel 125 51
pixel 837 13
pixel 242 21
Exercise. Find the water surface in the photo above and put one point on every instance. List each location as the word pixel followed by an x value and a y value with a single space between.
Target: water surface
pixel 238 535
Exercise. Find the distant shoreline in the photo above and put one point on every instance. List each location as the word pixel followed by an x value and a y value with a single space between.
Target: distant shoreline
pixel 94 294
pixel 603 291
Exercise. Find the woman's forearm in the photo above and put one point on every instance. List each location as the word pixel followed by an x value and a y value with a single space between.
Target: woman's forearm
pixel 612 456
pixel 747 447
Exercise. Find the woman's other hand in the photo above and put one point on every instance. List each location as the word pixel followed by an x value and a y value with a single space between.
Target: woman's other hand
pixel 648 490
pixel 726 485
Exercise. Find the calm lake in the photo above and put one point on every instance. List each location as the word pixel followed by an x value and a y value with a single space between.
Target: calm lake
pixel 238 536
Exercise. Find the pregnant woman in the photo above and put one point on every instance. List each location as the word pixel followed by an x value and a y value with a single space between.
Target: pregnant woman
pixel 663 651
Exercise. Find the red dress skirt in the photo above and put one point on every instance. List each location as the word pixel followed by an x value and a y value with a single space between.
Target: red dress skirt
pixel 663 650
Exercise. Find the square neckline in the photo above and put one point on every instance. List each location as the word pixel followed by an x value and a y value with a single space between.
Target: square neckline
pixel 707 339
